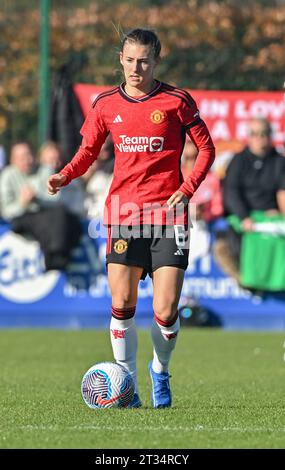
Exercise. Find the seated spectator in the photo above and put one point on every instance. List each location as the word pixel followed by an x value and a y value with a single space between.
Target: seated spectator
pixel 99 179
pixel 2 164
pixel 2 157
pixel 28 212
pixel 255 181
pixel 208 197
pixel 71 196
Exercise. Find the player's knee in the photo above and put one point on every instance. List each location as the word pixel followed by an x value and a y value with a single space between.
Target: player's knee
pixel 123 300
pixel 165 312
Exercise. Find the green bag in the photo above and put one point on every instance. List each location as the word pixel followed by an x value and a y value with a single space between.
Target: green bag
pixel 262 257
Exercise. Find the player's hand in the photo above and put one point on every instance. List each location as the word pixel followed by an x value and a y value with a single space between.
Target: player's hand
pixel 55 182
pixel 176 198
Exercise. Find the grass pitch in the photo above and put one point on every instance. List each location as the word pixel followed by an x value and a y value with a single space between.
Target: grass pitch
pixel 228 392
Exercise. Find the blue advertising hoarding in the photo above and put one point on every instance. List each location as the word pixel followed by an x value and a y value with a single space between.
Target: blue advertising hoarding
pixel 80 298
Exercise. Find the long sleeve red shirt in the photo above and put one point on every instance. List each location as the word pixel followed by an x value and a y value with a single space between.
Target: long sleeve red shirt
pixel 148 135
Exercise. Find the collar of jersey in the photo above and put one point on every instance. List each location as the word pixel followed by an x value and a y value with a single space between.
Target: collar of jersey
pixel 138 100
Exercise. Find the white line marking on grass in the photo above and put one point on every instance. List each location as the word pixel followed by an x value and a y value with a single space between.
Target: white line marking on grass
pixel 197 428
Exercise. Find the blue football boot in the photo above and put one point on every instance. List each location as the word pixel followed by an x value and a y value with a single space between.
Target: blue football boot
pixel 161 393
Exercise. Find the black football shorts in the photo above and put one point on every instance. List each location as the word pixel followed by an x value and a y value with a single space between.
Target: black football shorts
pixel 148 246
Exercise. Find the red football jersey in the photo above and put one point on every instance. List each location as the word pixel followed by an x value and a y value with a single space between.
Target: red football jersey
pixel 148 134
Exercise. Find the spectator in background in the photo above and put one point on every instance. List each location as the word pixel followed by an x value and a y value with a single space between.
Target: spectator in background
pixel 99 178
pixel 208 197
pixel 255 181
pixel 56 230
pixel 2 157
pixel 2 164
pixel 72 196
pixel 17 184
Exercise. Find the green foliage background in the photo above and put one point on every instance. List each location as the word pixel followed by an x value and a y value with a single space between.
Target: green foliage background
pixel 215 44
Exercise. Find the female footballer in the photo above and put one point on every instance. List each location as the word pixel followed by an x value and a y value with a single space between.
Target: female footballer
pixel 148 121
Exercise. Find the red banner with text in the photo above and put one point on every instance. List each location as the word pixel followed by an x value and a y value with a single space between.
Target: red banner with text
pixel 226 112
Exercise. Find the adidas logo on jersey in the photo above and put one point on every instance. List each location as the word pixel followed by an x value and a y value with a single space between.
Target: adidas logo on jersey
pixel 118 119
pixel 179 252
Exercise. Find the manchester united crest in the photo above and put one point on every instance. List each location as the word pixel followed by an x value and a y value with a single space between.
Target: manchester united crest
pixel 120 246
pixel 157 116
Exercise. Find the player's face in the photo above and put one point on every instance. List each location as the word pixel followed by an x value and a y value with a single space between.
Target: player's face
pixel 138 64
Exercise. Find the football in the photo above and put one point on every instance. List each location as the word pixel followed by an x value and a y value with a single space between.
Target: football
pixel 107 385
